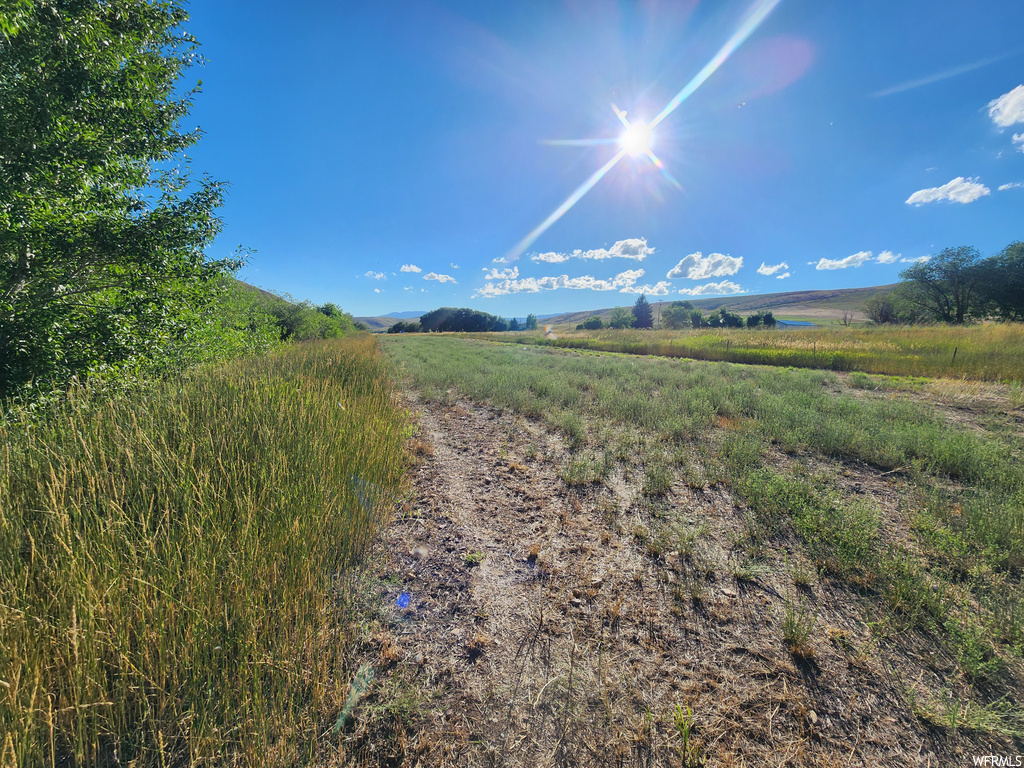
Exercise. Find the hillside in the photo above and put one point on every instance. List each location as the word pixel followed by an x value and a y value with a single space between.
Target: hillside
pixel 817 306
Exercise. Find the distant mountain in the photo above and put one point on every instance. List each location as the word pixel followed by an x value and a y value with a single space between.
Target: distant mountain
pixel 407 315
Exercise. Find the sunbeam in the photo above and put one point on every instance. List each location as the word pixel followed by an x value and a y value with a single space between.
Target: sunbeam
pixel 757 14
pixel 637 138
pixel 574 198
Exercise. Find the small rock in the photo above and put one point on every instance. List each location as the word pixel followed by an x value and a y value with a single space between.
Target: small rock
pixel 420 553
pixel 812 716
pixel 729 592
pixel 575 601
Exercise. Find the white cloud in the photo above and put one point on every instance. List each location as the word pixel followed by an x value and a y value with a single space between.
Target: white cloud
pixel 452 265
pixel 855 260
pixel 661 288
pixel 505 260
pixel 783 276
pixel 1008 108
pixel 632 248
pixel 501 274
pixel 698 267
pixel 439 278
pixel 622 280
pixel 376 275
pixel 959 190
pixel 1011 185
pixel 1018 138
pixel 713 289
pixel 887 257
pixel 764 269
pixel 410 268
pixel 376 290
pixel 918 260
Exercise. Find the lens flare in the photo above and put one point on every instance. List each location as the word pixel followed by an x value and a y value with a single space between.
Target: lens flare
pixel 636 139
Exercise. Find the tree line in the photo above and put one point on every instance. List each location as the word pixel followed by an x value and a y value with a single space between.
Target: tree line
pixel 462 320
pixel 956 286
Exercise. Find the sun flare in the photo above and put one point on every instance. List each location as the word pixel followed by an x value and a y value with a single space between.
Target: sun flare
pixel 636 139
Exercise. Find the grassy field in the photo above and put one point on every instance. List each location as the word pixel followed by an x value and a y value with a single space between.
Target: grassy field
pixel 943 567
pixel 171 567
pixel 983 352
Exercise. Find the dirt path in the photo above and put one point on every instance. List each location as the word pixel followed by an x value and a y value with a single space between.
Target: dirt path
pixel 527 623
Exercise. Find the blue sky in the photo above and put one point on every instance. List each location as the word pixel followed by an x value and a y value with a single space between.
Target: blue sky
pixel 391 155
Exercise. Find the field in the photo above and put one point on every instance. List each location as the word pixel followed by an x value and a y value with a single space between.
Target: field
pixel 622 560
pixel 438 550
pixel 174 567
pixel 981 352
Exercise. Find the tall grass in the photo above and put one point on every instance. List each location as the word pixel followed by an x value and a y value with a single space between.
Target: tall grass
pixel 169 566
pixel 984 352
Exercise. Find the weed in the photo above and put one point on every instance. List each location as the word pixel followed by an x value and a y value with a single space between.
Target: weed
pixel 797 627
pixel 475 558
pixel 689 750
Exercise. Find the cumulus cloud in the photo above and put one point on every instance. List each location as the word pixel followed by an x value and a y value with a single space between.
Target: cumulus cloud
pixel 887 257
pixel 699 267
pixel 855 260
pixel 622 280
pixel 376 290
pixel 632 248
pixel 959 190
pixel 764 269
pixel 505 260
pixel 501 274
pixel 713 289
pixel 661 288
pixel 1011 185
pixel 918 260
pixel 783 276
pixel 453 265
pixel 439 278
pixel 1008 109
pixel 1018 138
pixel 409 268
pixel 376 275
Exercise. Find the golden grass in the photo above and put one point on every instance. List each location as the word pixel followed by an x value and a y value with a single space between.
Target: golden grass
pixel 170 565
pixel 991 352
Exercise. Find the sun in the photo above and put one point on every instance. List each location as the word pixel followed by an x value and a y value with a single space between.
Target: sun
pixel 636 139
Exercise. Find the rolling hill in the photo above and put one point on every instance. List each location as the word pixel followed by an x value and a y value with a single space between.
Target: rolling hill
pixel 816 306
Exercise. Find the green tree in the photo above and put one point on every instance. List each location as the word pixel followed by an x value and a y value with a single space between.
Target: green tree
pixel 946 286
pixel 594 323
pixel 643 315
pixel 754 320
pixel 102 229
pixel 676 315
pixel 621 318
pixel 1002 286
pixel 531 323
pixel 513 324
pixel 697 318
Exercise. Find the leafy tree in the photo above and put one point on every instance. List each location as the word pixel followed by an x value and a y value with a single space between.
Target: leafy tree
pixel 452 319
pixel 102 230
pixel 531 323
pixel 729 319
pixel 1002 287
pixel 621 318
pixel 697 318
pixel 404 327
pixel 768 319
pixel 513 324
pixel 594 323
pixel 676 315
pixel 946 286
pixel 753 321
pixel 643 315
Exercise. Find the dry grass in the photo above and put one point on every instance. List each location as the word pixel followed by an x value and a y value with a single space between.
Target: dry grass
pixel 169 564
